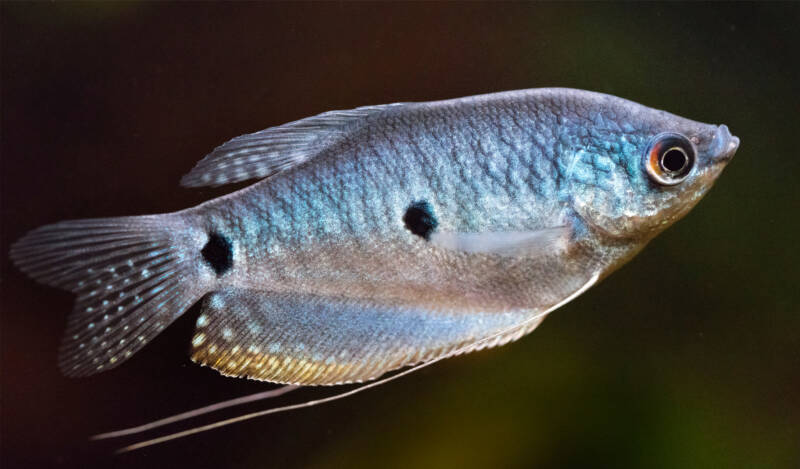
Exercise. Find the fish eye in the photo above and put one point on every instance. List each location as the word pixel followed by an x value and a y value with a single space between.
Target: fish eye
pixel 669 159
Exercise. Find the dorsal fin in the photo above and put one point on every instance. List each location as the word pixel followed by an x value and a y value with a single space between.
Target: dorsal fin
pixel 269 151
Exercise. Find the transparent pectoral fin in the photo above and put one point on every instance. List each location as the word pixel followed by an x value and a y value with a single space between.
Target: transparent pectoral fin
pixel 509 243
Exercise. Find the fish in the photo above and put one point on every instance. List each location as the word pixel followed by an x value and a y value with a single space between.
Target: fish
pixel 383 236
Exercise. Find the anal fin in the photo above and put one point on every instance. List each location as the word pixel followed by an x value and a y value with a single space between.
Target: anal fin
pixel 311 340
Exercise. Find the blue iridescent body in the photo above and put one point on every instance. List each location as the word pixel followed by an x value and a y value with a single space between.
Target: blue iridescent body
pixel 384 236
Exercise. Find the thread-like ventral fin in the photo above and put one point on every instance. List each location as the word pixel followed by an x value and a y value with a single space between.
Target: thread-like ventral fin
pixel 132 278
pixel 310 340
pixel 262 154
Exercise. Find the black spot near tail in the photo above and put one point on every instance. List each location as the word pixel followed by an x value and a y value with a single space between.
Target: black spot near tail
pixel 420 219
pixel 218 252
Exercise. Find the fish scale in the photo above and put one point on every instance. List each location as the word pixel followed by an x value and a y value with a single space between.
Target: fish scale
pixel 382 236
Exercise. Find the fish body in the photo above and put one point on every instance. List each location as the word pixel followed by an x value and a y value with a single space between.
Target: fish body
pixel 383 236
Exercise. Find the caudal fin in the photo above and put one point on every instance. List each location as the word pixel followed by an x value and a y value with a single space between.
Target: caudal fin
pixel 133 276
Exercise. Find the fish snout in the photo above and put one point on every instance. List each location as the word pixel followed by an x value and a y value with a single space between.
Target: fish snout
pixel 724 145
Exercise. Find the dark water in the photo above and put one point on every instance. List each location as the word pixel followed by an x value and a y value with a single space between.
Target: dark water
pixel 687 357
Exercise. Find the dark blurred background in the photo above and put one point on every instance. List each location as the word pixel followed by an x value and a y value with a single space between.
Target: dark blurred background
pixel 106 105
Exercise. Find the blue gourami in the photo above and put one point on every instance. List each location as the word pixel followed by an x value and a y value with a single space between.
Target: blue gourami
pixel 383 236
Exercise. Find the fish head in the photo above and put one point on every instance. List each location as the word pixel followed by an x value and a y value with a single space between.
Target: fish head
pixel 635 176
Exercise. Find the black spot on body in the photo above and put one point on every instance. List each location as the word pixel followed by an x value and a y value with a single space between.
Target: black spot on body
pixel 420 219
pixel 218 253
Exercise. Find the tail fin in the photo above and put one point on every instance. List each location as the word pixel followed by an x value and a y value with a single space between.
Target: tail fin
pixel 133 276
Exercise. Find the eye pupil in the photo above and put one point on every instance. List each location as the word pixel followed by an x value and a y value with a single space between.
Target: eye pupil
pixel 674 160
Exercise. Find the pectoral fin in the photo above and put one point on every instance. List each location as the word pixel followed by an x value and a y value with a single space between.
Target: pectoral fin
pixel 508 243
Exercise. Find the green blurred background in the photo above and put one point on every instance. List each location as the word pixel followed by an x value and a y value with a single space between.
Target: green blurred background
pixel 688 357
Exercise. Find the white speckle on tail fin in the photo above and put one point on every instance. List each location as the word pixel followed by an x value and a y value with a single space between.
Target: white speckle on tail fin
pixel 133 276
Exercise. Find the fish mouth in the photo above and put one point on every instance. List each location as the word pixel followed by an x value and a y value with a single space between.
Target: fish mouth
pixel 724 145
